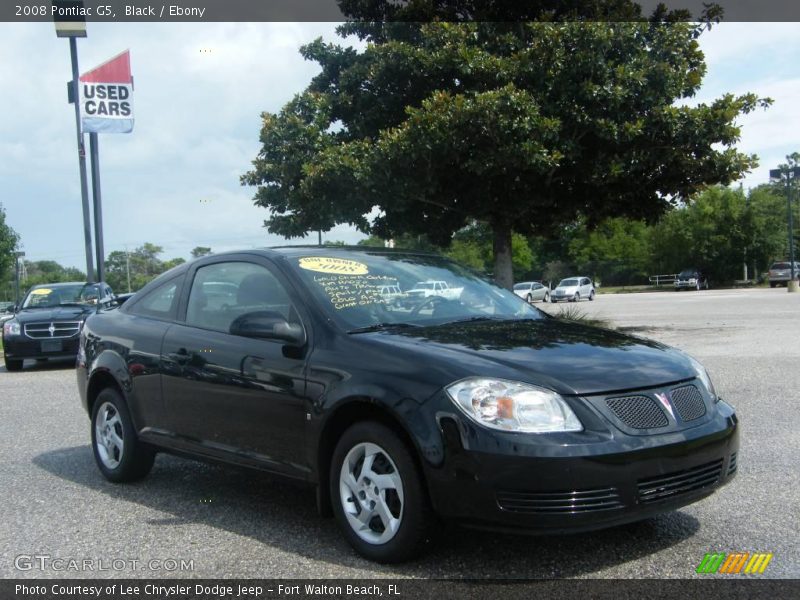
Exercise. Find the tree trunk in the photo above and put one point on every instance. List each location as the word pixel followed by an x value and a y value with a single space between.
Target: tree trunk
pixel 503 268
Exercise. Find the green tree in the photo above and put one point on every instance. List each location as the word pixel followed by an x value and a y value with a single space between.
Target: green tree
pixel 716 231
pixel 137 267
pixel 616 252
pixel 8 245
pixel 521 126
pixel 199 251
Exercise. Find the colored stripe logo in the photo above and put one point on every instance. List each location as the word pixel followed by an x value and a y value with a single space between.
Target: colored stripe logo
pixel 734 563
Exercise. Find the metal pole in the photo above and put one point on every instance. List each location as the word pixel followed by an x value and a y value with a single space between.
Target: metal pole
pixel 16 280
pixel 94 153
pixel 128 267
pixel 87 227
pixel 792 284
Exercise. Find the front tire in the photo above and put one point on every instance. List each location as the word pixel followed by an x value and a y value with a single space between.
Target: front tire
pixel 529 299
pixel 13 364
pixel 119 454
pixel 591 296
pixel 577 297
pixel 377 494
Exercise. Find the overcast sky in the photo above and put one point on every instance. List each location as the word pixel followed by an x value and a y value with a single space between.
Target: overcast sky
pixel 200 89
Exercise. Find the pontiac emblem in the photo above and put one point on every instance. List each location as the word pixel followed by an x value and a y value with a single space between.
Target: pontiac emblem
pixel 664 399
pixel 51 329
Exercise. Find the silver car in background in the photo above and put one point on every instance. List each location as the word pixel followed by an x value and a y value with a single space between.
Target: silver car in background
pixel 532 291
pixel 573 289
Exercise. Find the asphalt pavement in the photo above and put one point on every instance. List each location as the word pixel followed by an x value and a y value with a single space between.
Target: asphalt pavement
pixel 225 522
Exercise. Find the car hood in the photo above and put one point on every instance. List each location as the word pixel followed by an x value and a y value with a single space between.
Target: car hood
pixel 59 313
pixel 567 357
pixel 567 288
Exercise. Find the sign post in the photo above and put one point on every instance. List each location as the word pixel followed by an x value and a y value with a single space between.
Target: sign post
pixel 106 105
pixel 74 27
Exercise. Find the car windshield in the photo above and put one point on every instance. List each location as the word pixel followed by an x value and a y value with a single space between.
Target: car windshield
pixel 688 273
pixel 349 288
pixel 568 283
pixel 785 265
pixel 50 297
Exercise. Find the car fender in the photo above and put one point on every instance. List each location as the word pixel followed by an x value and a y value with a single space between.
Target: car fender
pixel 105 366
pixel 406 413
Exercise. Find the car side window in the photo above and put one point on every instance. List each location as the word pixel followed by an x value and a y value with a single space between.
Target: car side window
pixel 222 292
pixel 160 303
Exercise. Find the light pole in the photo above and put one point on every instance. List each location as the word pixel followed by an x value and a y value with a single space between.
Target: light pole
pixel 788 174
pixel 70 25
pixel 17 256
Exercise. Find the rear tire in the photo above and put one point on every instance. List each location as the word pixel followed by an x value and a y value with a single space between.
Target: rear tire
pixel 13 364
pixel 377 494
pixel 772 284
pixel 119 454
pixel 591 296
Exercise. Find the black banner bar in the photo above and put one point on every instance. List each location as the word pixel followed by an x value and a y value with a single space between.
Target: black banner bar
pixel 712 588
pixel 329 10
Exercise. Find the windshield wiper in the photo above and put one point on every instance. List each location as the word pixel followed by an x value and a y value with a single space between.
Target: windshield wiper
pixel 381 327
pixel 476 319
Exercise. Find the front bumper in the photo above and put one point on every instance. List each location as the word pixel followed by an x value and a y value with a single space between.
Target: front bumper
pixel 19 347
pixel 505 483
pixel 685 285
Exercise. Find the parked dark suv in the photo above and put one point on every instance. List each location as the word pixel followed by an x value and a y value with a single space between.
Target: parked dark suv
pixel 47 323
pixel 477 407
pixel 691 279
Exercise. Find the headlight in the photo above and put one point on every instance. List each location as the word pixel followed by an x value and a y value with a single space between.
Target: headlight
pixel 513 406
pixel 692 280
pixel 11 327
pixel 704 378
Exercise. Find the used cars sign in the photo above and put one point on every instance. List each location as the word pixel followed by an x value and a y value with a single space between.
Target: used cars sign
pixel 107 97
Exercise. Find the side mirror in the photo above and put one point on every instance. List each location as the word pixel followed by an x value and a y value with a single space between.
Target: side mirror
pixel 269 326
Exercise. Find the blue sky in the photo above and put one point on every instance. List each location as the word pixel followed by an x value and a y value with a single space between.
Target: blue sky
pixel 200 89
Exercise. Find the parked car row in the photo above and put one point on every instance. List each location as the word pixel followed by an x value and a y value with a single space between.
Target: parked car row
pixel 571 289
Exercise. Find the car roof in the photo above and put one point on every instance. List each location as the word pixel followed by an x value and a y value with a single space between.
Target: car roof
pixel 60 284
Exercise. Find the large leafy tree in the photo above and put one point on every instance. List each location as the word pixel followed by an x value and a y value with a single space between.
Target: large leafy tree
pixel 521 126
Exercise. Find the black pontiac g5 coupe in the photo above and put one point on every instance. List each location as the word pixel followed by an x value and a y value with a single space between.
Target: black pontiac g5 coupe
pixel 475 407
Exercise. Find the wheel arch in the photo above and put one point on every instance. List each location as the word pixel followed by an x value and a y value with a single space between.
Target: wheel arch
pixel 348 412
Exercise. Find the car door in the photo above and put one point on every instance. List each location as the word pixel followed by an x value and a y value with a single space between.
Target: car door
pixel 233 397
pixel 586 287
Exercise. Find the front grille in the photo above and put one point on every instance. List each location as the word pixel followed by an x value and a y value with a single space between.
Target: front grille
pixel 581 501
pixel 61 329
pixel 663 487
pixel 732 465
pixel 688 401
pixel 638 412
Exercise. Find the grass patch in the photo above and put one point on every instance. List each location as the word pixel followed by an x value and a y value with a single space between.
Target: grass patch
pixel 574 314
pixel 631 289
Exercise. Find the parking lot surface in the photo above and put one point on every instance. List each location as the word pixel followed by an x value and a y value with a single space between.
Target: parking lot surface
pixel 234 523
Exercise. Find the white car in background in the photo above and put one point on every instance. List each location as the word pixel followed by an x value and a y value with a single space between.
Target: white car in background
pixel 531 291
pixel 573 289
